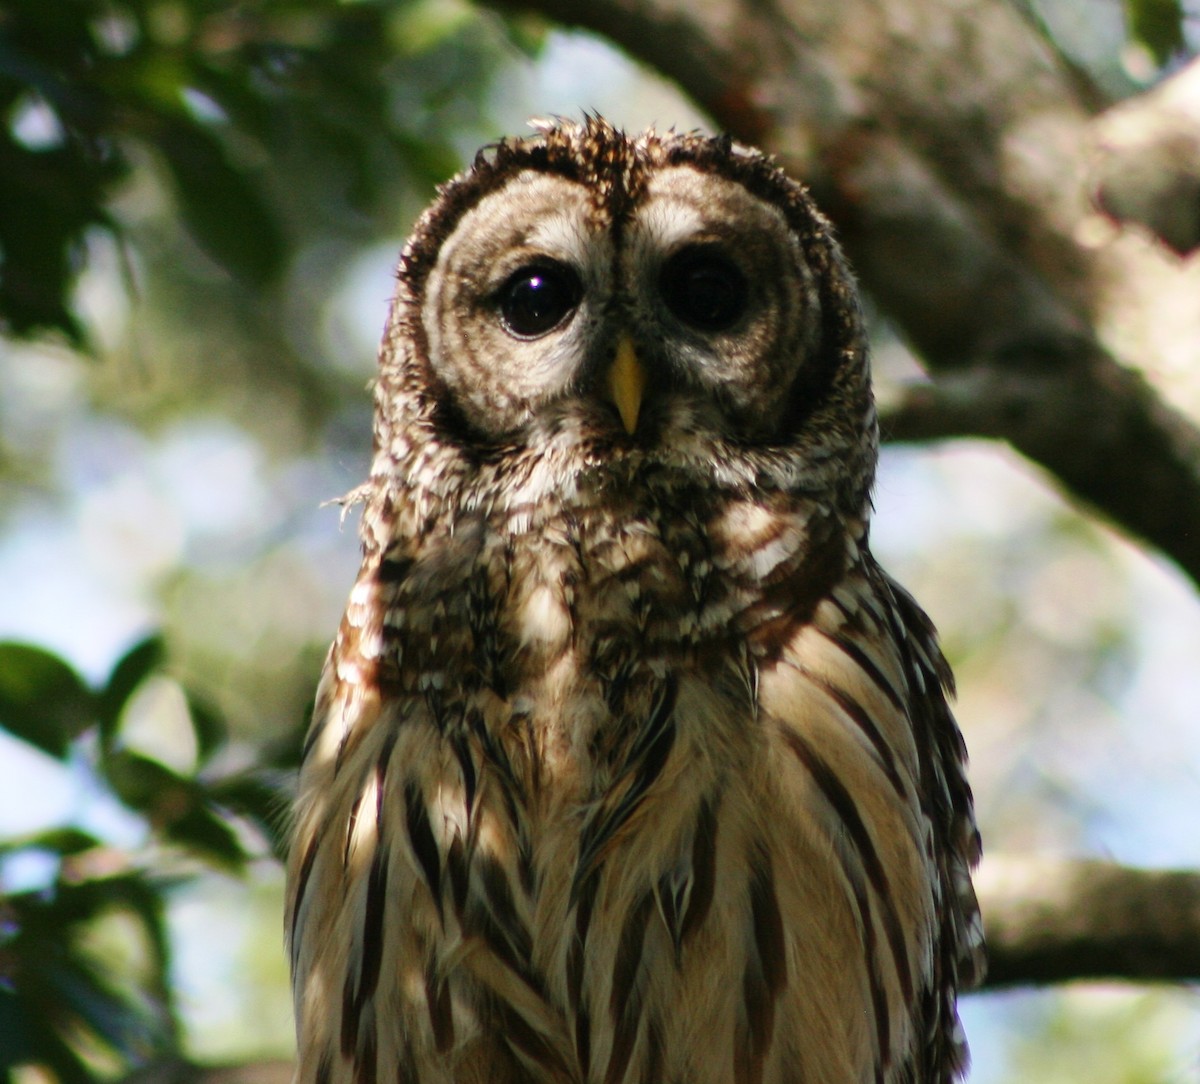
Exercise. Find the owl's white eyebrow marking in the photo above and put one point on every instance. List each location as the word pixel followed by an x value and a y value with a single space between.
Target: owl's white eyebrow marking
pixel 562 233
pixel 668 220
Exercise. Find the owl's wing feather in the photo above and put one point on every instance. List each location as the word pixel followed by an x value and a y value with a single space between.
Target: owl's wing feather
pixel 398 876
pixel 949 804
pixel 858 704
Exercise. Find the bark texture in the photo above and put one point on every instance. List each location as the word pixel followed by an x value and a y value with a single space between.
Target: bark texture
pixel 960 158
pixel 1050 920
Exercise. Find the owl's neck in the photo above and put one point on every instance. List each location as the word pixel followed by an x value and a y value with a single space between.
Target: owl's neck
pixel 504 553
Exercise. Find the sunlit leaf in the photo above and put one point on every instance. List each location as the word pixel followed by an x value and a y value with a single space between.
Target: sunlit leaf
pixel 423 24
pixel 208 725
pixel 42 698
pixel 1158 25
pixel 60 841
pixel 222 203
pixel 137 664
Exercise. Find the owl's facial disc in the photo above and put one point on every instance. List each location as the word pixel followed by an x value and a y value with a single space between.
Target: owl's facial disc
pixel 513 309
pixel 720 288
pixel 688 309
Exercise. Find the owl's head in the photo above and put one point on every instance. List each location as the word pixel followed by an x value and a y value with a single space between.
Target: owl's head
pixel 632 297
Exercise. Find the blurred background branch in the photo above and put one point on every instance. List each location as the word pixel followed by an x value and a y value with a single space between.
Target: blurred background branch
pixel 1053 920
pixel 1148 160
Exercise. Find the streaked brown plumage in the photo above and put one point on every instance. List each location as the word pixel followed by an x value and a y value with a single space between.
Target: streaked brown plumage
pixel 628 763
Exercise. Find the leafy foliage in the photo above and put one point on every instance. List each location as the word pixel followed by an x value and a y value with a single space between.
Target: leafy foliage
pixel 66 1005
pixel 1158 25
pixel 58 162
pixel 66 1002
pixel 219 96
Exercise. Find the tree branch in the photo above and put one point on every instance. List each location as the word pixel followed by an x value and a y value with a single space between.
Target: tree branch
pixel 1064 414
pixel 1148 160
pixel 1050 921
pixel 948 143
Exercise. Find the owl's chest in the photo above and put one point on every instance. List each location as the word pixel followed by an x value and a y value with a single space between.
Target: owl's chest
pixel 656 586
pixel 570 633
pixel 616 592
pixel 603 621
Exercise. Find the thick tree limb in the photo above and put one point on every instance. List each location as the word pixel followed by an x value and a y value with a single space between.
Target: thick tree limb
pixel 1148 168
pixel 950 145
pixel 1058 414
pixel 1051 921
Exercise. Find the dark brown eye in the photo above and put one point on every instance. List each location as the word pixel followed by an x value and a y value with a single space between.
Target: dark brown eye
pixel 538 298
pixel 703 288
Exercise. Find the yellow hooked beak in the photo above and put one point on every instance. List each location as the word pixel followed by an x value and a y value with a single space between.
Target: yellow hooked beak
pixel 626 383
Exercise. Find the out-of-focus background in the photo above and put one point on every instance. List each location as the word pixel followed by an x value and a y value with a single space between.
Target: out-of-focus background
pixel 201 206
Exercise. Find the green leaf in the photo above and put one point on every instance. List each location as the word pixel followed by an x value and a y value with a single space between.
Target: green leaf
pixel 433 162
pixel 65 998
pixel 82 993
pixel 17 1042
pixel 1158 25
pixel 529 33
pixel 424 24
pixel 208 725
pixel 203 831
pixel 43 700
pixel 142 896
pixel 137 664
pixel 148 786
pixel 180 809
pixel 261 797
pixel 29 1035
pixel 221 203
pixel 60 841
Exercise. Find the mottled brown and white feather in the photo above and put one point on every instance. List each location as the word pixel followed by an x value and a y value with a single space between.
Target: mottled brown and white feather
pixel 628 762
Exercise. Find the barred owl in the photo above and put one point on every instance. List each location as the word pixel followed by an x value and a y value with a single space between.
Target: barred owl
pixel 628 763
